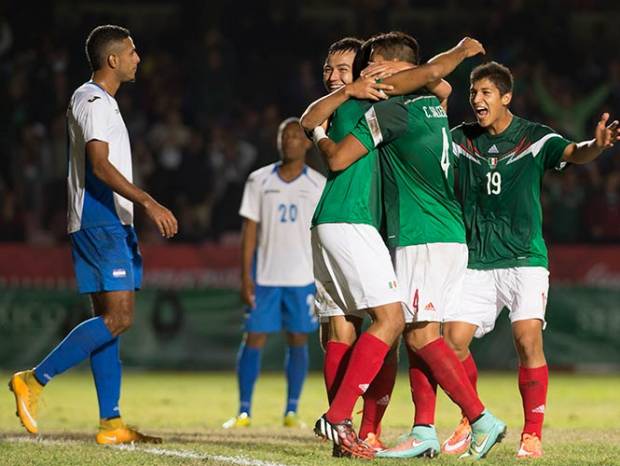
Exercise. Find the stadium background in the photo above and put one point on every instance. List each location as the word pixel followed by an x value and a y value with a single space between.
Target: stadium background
pixel 215 80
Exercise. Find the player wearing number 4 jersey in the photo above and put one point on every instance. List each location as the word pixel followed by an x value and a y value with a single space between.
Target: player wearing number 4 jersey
pixel 278 202
pixel 501 162
pixel 424 225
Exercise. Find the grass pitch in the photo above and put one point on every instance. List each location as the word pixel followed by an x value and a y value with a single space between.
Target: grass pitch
pixel 582 422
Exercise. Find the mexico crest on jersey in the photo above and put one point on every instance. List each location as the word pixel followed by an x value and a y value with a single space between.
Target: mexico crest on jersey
pixel 492 162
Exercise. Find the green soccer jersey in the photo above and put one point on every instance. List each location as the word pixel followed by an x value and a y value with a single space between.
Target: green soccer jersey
pixel 414 143
pixel 500 178
pixel 352 195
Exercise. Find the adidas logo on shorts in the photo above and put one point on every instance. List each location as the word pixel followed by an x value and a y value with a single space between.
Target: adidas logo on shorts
pixel 429 307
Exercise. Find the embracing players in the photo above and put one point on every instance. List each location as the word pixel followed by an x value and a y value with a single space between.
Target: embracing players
pixel 391 127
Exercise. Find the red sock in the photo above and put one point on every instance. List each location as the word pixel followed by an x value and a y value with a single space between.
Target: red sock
pixel 533 384
pixel 423 389
pixel 366 360
pixel 377 398
pixel 335 364
pixel 472 370
pixel 450 375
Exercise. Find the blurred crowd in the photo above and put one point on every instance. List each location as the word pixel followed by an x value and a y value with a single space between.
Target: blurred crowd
pixel 216 80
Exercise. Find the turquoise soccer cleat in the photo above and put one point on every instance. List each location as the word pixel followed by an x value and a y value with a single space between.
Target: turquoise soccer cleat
pixel 421 442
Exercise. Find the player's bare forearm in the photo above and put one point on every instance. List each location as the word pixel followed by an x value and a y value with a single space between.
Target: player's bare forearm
pixel 436 69
pixel 321 109
pixel 442 90
pixel 605 136
pixel 97 153
pixel 248 246
pixel 582 152
pixel 343 154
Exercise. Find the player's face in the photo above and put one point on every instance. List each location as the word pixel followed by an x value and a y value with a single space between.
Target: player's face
pixel 338 70
pixel 487 102
pixel 128 60
pixel 293 143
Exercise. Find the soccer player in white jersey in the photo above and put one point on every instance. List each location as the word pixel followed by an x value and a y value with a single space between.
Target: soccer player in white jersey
pixel 106 258
pixel 278 202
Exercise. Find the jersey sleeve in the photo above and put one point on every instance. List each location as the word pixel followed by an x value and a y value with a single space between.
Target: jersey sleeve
pixel 250 203
pixel 382 123
pixel 92 115
pixel 552 148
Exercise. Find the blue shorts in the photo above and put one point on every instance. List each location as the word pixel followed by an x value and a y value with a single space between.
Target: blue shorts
pixel 106 258
pixel 282 307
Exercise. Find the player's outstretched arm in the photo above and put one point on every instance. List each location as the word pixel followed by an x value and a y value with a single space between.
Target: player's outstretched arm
pixel 320 110
pixel 436 69
pixel 97 152
pixel 248 246
pixel 341 155
pixel 605 136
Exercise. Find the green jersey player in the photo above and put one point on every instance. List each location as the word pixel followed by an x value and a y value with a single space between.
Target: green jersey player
pixel 424 224
pixel 501 161
pixel 351 260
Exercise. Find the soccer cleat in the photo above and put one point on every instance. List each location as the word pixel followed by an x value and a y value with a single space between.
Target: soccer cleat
pixel 531 447
pixel 374 442
pixel 421 442
pixel 27 390
pixel 343 435
pixel 458 443
pixel 242 420
pixel 485 432
pixel 291 419
pixel 115 432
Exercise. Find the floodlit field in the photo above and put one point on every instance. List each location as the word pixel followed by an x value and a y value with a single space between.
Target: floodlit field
pixel 582 424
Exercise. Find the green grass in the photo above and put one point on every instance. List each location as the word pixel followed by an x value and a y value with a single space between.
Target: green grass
pixel 582 423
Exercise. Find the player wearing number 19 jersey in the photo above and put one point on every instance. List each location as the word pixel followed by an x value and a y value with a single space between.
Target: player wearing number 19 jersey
pixel 501 162
pixel 277 279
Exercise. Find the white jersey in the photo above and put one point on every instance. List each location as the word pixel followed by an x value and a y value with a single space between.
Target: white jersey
pixel 94 114
pixel 283 211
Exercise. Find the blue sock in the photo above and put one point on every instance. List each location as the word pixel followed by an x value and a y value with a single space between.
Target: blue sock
pixel 77 346
pixel 248 367
pixel 106 366
pixel 296 367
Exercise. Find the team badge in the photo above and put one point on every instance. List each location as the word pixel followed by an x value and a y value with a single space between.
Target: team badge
pixel 492 162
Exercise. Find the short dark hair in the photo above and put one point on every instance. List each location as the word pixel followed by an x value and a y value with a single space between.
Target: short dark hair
pixel 98 41
pixel 346 44
pixel 395 45
pixel 497 73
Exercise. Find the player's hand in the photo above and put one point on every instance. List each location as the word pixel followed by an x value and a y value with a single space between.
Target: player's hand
pixel 247 292
pixel 385 69
pixel 471 47
pixel 164 219
pixel 606 136
pixel 368 89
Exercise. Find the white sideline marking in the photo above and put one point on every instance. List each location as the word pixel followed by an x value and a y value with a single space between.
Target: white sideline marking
pixel 239 460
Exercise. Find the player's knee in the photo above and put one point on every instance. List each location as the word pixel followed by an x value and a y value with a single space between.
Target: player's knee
pixel 529 346
pixel 460 347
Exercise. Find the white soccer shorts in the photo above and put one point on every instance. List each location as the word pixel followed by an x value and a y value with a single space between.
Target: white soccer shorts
pixel 523 290
pixel 353 266
pixel 431 276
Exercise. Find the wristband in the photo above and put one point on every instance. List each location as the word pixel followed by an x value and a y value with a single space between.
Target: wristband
pixel 318 133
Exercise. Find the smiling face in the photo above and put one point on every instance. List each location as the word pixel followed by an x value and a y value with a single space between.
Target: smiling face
pixel 487 102
pixel 338 69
